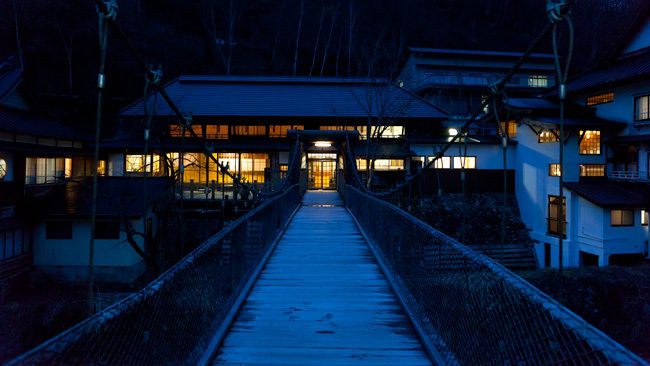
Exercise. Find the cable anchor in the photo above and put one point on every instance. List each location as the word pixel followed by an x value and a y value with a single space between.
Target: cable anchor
pixel 554 11
pixel 111 10
pixel 154 77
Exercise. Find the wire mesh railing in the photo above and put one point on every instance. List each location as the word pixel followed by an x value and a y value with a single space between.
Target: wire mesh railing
pixel 173 319
pixel 471 309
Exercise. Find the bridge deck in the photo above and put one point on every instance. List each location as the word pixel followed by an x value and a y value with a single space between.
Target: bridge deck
pixel 321 300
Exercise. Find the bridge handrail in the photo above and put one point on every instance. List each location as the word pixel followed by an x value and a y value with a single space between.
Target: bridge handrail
pixel 472 309
pixel 172 320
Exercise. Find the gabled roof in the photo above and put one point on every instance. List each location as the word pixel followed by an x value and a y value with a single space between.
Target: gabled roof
pixel 634 67
pixel 204 95
pixel 24 122
pixel 477 53
pixel 608 194
pixel 578 122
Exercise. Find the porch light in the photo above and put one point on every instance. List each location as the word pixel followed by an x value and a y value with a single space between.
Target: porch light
pixel 453 132
pixel 323 144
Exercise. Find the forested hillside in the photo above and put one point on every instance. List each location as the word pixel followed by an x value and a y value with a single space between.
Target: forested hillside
pixel 57 41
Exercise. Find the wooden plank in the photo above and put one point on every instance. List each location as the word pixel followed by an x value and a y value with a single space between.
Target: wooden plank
pixel 321 300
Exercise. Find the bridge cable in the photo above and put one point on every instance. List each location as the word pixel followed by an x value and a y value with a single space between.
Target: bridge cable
pixel 108 11
pixel 556 15
pixel 108 8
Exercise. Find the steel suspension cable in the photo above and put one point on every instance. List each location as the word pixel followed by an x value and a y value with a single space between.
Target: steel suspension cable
pixel 556 17
pixel 154 75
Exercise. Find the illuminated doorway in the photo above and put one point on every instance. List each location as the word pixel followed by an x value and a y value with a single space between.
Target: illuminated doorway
pixel 322 171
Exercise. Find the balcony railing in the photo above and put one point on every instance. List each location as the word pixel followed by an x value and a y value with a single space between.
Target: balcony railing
pixel 628 175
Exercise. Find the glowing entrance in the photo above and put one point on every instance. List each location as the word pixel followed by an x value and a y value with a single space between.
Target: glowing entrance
pixel 322 171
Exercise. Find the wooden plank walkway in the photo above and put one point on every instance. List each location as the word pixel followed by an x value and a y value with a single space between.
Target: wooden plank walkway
pixel 321 300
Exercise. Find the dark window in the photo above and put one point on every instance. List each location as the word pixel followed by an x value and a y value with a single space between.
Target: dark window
pixel 622 217
pixel 588 259
pixel 107 230
pixel 547 255
pixel 58 230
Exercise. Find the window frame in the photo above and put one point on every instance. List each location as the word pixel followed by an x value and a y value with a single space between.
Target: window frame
pixel 554 168
pixel 636 111
pixel 583 137
pixel 599 99
pixel 444 162
pixel 585 168
pixel 622 224
pixel 552 137
pixel 560 220
pixel 468 160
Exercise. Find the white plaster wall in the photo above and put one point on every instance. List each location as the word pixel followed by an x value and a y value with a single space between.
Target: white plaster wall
pixel 116 165
pixel 623 239
pixel 75 251
pixel 8 156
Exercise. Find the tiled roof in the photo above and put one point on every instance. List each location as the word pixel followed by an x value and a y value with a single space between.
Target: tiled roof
pixel 609 194
pixel 285 97
pixel 478 53
pixel 24 122
pixel 630 68
pixel 580 122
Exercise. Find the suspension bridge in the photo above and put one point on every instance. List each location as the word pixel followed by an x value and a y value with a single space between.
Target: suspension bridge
pixel 331 278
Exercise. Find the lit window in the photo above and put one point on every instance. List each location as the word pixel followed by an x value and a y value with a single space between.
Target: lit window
pixel 337 128
pixel 590 143
pixel 3 169
pixel 592 170
pixel 538 81
pixel 177 130
pixel 381 164
pixel 249 130
pixel 556 215
pixel 642 108
pixel 387 132
pixel 281 130
pixel 512 129
pixel 622 217
pixel 444 162
pixel 253 165
pixel 644 218
pixel 47 170
pixel 284 167
pixel 547 136
pixel 600 99
pixel 554 170
pixel 101 168
pixel 219 132
pixel 134 163
pixel 469 162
